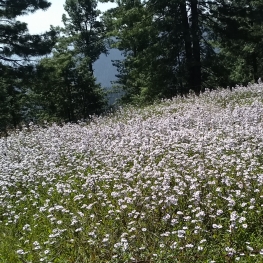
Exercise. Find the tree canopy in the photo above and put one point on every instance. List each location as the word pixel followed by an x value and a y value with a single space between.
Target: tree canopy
pixel 17 48
pixel 169 48
pixel 17 44
pixel 68 90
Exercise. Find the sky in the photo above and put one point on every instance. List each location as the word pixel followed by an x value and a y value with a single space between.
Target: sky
pixel 40 21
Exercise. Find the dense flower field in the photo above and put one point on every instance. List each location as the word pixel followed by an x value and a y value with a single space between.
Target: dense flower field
pixel 179 181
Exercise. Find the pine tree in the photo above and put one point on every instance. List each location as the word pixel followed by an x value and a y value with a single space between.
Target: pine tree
pixel 17 49
pixel 84 29
pixel 238 29
pixel 162 45
pixel 129 26
pixel 67 91
pixel 68 83
pixel 17 44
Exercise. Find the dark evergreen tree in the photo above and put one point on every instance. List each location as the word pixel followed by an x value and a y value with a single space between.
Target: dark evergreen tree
pixel 186 44
pixel 237 26
pixel 67 91
pixel 129 26
pixel 17 48
pixel 162 44
pixel 83 28
pixel 67 81
pixel 17 45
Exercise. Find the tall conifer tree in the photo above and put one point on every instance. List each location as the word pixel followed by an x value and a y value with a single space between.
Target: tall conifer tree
pixel 68 83
pixel 17 47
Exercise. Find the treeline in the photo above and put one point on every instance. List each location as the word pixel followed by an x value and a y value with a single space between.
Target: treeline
pixel 170 47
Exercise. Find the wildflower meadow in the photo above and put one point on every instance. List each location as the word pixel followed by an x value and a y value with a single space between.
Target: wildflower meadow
pixel 177 181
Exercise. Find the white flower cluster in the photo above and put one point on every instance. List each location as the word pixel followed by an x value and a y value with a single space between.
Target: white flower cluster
pixel 185 174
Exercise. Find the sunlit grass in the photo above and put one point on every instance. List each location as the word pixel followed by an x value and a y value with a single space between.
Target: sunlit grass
pixel 178 181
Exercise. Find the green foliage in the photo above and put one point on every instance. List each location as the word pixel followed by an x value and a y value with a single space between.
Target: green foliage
pixel 67 90
pixel 16 43
pixel 84 29
pixel 14 96
pixel 129 26
pixel 162 48
pixel 59 88
pixel 17 48
pixel 171 47
pixel 237 26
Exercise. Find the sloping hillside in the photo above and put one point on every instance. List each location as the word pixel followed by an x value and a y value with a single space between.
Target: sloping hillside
pixel 179 181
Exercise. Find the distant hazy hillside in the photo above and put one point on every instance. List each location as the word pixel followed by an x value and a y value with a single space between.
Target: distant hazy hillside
pixel 104 70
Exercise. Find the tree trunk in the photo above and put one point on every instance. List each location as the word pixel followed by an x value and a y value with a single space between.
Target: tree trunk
pixel 196 47
pixel 187 46
pixel 255 67
pixel 91 69
pixel 70 108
